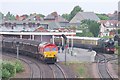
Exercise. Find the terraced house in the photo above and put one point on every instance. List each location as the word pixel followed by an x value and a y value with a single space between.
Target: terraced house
pixel 108 27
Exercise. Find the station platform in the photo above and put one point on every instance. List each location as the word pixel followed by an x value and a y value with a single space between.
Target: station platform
pixel 78 55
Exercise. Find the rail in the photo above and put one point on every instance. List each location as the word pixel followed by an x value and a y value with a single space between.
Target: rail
pixel 103 70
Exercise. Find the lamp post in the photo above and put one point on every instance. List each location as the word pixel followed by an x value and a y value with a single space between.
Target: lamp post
pixel 17 45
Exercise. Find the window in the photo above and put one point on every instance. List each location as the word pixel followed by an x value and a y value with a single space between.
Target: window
pixel 53 49
pixel 47 49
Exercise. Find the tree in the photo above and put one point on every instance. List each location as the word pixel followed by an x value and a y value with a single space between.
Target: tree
pixel 75 10
pixel 93 26
pixel 73 27
pixel 41 15
pixel 1 15
pixel 66 16
pixel 85 34
pixel 103 16
pixel 10 16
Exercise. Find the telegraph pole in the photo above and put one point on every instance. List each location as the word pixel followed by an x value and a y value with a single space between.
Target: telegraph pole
pixel 17 44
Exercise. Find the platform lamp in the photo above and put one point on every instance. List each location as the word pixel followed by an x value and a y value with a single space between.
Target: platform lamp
pixel 17 45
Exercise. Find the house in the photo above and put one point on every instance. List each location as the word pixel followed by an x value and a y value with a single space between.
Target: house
pixel 20 18
pixel 54 17
pixel 84 16
pixel 34 17
pixel 108 27
pixel 113 16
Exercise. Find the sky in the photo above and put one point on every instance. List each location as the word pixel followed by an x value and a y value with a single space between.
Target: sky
pixel 61 6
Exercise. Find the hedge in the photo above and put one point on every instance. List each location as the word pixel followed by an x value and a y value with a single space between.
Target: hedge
pixel 9 69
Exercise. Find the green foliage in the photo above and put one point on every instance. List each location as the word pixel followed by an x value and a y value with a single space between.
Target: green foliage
pixel 1 15
pixel 9 68
pixel 18 66
pixel 66 16
pixel 81 71
pixel 84 33
pixel 41 15
pixel 10 16
pixel 103 16
pixel 92 26
pixel 75 10
pixel 118 31
pixel 5 73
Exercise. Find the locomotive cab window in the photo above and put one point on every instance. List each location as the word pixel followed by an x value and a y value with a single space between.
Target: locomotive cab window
pixel 47 49
pixel 54 49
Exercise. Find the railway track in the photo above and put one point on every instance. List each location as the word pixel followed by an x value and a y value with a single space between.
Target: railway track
pixel 102 64
pixel 58 72
pixel 35 69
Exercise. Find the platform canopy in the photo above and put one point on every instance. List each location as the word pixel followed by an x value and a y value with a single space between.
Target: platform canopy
pixel 38 33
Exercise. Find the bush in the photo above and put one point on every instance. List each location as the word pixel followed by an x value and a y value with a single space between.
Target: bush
pixel 8 70
pixel 18 66
pixel 5 74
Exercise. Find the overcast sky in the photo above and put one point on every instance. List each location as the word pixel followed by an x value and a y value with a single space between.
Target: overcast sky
pixel 61 6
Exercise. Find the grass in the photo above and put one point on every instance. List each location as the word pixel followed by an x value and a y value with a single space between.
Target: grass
pixel 81 69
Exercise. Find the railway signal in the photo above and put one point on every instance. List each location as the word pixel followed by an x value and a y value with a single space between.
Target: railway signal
pixel 64 46
pixel 65 39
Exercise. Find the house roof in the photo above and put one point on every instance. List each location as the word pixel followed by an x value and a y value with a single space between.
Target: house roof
pixel 56 17
pixel 49 17
pixel 84 15
pixel 31 18
pixel 61 19
pixel 114 17
pixel 110 21
pixel 53 15
pixel 53 25
pixel 40 29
